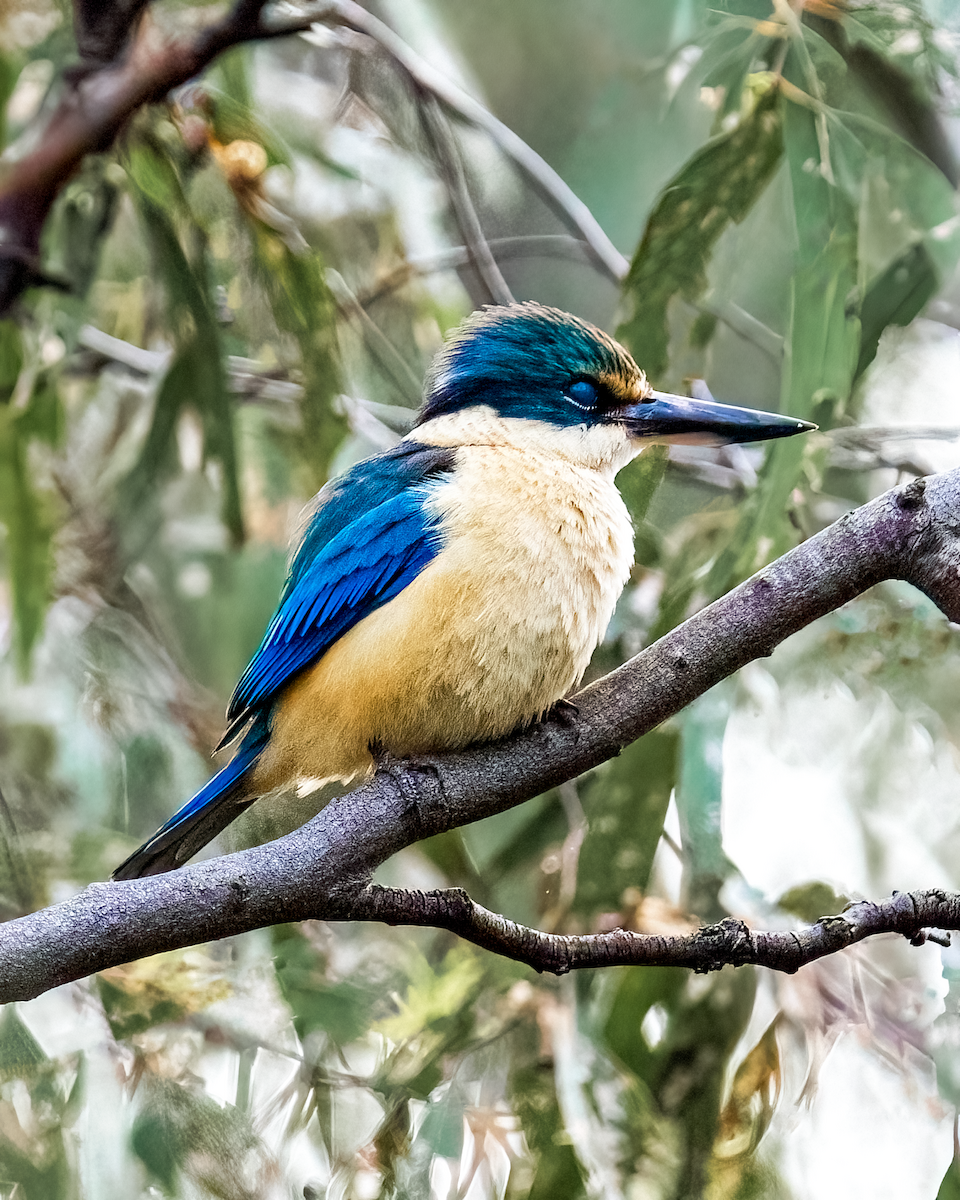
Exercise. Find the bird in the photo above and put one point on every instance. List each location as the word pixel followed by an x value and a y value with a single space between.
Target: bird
pixel 452 589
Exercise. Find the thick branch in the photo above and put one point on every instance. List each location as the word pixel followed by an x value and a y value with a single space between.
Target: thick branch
pixel 323 869
pixel 94 106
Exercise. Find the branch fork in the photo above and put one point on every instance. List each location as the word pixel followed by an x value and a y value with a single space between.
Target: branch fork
pixel 324 869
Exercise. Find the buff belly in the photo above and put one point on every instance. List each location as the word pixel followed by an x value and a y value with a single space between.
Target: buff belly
pixel 499 626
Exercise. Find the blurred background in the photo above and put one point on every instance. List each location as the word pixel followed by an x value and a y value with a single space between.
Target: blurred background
pixel 253 280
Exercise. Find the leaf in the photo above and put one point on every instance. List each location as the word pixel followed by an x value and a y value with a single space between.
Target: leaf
pixel 699 801
pixel 822 346
pixel 177 1132
pixel 10 67
pixel 533 1098
pixel 303 307
pixel 24 512
pixel 810 901
pixel 82 220
pixel 20 1054
pixel 950 1186
pixel 341 1009
pixel 153 991
pixel 625 802
pixel 640 479
pixel 638 989
pixel 196 377
pixel 718 185
pixel 155 178
pixel 754 1093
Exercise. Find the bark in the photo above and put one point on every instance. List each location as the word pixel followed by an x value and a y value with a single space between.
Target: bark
pixel 323 870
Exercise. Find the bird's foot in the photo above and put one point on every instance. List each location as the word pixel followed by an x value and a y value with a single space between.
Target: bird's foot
pixel 564 712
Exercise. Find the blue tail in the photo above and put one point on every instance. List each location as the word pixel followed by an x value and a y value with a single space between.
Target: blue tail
pixel 212 809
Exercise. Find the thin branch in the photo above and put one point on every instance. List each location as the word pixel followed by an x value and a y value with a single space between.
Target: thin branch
pixel 730 942
pixel 527 245
pixel 323 870
pixel 384 351
pixel 558 194
pixel 437 128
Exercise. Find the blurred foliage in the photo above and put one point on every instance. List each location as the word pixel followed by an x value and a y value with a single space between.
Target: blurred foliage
pixel 256 276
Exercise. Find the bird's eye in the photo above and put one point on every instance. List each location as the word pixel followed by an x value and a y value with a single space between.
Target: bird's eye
pixel 582 393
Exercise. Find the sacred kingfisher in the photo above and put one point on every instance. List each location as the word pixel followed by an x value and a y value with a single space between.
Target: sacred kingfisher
pixel 454 587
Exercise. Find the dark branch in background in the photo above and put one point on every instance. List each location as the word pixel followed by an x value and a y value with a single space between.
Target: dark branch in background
pixel 102 30
pixel 94 106
pixel 324 869
pixel 141 67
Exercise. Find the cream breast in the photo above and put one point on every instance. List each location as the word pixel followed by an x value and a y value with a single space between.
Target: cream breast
pixel 537 546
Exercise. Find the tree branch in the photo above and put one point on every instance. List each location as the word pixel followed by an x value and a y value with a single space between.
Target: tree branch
pixel 323 870
pixel 438 131
pixel 731 942
pixel 554 190
pixel 99 99
pixel 94 107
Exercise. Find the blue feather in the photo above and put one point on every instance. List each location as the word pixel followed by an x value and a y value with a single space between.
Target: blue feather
pixel 371 536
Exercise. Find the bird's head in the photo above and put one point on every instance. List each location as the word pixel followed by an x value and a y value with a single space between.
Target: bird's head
pixel 532 363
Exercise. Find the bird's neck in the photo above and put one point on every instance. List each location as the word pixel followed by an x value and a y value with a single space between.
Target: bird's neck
pixel 602 448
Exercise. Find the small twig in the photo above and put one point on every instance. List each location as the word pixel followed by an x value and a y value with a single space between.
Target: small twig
pixel 743 324
pixel 558 194
pixel 385 352
pixel 545 244
pixel 437 128
pixel 731 942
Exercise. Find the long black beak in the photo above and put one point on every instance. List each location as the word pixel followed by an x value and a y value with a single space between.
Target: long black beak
pixel 666 418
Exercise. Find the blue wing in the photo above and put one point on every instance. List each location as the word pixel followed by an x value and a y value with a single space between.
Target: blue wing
pixel 371 536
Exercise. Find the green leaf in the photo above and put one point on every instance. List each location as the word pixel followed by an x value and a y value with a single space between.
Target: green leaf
pixel 341 1009
pixel 155 178
pixel 177 1131
pixel 196 377
pixel 303 307
pixel 10 67
pixel 638 989
pixel 29 527
pixel 11 359
pixel 699 800
pixel 810 901
pixel 638 481
pixel 20 1054
pixel 533 1098
pixel 625 802
pixel 950 1186
pixel 82 220
pixel 718 185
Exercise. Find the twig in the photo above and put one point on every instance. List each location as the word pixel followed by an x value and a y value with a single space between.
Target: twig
pixel 323 870
pixel 558 194
pixel 385 352
pixel 546 244
pixel 731 942
pixel 437 129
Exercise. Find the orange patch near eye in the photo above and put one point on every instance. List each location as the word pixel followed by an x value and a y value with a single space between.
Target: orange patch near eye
pixel 628 389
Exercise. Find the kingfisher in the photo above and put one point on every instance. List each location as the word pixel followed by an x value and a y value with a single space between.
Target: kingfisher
pixel 453 588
